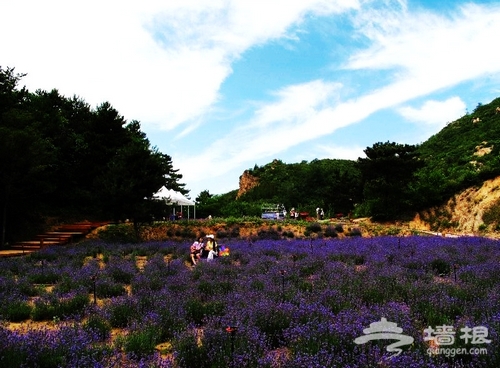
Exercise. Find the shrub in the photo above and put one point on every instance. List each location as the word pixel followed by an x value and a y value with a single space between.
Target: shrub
pixel 238 256
pixel 121 271
pixel 272 253
pixel 188 233
pixel 121 233
pixel 169 325
pixel 359 260
pixel 393 230
pixel 440 266
pixel 140 343
pixel 67 284
pixel 270 234
pixel 353 259
pixel 73 305
pixel 310 268
pixel 492 214
pixel 194 311
pixel 221 234
pixel 16 311
pixel 355 232
pixel 44 276
pixel 121 312
pixel 235 232
pixel 197 311
pixel 46 309
pixel 108 289
pixel 330 232
pixel 273 324
pixel 43 311
pixel 43 256
pixel 314 227
pixel 190 353
pixel 257 285
pixel 99 326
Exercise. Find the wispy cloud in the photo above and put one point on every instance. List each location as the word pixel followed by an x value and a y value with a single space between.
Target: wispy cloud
pixel 425 52
pixel 164 62
pixel 352 152
pixel 161 62
pixel 443 48
pixel 297 103
pixel 435 112
pixel 214 34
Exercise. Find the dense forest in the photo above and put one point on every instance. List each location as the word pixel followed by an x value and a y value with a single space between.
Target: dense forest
pixel 333 185
pixel 62 160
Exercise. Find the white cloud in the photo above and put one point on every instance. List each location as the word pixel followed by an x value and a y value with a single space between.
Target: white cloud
pixel 424 51
pixel 435 112
pixel 163 62
pixel 297 102
pixel 341 152
pixel 160 62
pixel 439 50
pixel 234 26
pixel 303 112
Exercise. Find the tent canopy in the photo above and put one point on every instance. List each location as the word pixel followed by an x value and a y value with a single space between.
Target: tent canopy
pixel 173 197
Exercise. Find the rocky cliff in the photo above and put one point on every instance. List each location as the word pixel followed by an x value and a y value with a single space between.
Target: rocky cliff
pixel 247 182
pixel 474 210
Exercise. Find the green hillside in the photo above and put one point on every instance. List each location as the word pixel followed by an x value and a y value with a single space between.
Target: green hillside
pixel 393 182
pixel 465 153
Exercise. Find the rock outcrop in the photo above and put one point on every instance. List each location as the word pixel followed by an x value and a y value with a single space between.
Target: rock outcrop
pixel 463 213
pixel 247 182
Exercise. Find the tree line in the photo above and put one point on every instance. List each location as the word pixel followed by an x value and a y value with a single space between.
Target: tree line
pixel 375 186
pixel 393 181
pixel 61 158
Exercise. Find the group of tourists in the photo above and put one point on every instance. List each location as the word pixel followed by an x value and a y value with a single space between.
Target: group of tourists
pixel 320 214
pixel 206 248
pixel 294 214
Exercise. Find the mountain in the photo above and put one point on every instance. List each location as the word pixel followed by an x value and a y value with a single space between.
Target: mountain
pixel 475 210
pixel 334 185
pixel 463 154
pixel 457 166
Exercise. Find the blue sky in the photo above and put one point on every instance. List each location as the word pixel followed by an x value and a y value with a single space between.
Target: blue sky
pixel 222 85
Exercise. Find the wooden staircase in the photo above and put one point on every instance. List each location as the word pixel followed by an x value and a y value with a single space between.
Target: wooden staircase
pixel 60 235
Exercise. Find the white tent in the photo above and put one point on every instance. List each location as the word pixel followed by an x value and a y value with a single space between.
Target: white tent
pixel 175 198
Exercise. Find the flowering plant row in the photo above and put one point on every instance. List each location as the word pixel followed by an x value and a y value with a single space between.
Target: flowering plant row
pixel 270 303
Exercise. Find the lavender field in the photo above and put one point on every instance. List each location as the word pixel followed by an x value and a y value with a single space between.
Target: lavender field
pixel 280 303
